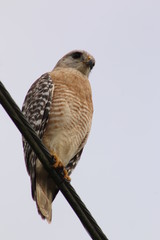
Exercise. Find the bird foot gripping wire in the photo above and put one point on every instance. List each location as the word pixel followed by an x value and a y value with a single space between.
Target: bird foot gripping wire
pixel 59 165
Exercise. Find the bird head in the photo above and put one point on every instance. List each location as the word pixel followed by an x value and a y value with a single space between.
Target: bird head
pixel 79 60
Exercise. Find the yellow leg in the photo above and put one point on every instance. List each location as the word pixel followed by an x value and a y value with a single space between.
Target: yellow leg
pixel 66 176
pixel 59 164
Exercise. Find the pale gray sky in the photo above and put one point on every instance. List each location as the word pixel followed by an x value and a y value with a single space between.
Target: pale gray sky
pixel 118 176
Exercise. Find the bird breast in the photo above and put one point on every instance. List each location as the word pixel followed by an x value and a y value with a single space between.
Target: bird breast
pixel 70 114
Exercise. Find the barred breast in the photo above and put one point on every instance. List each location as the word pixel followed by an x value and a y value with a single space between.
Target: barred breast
pixel 70 115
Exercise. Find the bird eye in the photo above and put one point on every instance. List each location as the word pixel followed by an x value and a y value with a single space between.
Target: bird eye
pixel 76 55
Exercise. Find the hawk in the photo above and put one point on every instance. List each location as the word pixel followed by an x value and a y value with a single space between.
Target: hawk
pixel 59 108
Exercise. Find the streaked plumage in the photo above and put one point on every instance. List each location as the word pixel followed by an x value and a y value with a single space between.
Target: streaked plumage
pixel 59 108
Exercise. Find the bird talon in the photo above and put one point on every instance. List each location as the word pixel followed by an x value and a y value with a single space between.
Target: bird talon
pixel 59 164
pixel 66 176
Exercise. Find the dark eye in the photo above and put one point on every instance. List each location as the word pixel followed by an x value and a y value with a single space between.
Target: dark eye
pixel 76 55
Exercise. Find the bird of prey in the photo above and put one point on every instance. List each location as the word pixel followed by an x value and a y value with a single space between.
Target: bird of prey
pixel 59 108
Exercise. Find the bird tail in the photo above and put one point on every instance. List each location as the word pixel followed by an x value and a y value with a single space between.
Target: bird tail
pixel 46 191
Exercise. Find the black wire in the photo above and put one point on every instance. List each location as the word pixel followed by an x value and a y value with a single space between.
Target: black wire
pixel 67 190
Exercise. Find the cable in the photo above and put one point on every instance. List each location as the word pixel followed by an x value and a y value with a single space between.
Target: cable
pixel 47 160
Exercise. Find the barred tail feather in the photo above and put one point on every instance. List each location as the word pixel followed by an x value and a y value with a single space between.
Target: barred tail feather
pixel 46 191
pixel 44 204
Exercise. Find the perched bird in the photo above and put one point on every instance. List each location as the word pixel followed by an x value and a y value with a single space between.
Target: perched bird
pixel 59 108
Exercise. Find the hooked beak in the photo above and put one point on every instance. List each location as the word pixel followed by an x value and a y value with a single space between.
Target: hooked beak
pixel 89 62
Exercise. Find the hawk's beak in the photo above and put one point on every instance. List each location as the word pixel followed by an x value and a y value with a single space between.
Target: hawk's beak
pixel 90 62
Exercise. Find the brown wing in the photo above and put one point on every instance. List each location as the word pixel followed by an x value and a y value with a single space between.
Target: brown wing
pixel 73 162
pixel 36 108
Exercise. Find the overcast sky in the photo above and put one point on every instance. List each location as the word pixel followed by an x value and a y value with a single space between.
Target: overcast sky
pixel 118 176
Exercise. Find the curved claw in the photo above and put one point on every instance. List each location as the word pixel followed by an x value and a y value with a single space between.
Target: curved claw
pixel 59 164
pixel 66 176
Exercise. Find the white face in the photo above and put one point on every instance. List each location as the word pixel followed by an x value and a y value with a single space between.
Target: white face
pixel 79 60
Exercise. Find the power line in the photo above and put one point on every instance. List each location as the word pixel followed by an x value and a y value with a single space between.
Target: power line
pixel 47 160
